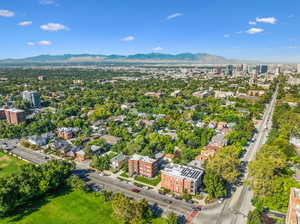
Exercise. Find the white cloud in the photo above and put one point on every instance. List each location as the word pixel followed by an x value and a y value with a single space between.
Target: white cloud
pixel 6 13
pixel 227 35
pixel 270 20
pixel 239 32
pixel 25 23
pixel 54 27
pixel 291 16
pixel 30 43
pixel 42 42
pixel 174 15
pixel 252 22
pixel 254 30
pixel 157 49
pixel 47 2
pixel 129 38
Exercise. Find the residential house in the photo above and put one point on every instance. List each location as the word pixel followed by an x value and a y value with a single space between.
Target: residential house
pixel 111 140
pixel 67 133
pixel 118 161
pixel 219 140
pixel 38 140
pixel 295 142
pixel 80 155
pixel 154 94
pixel 223 94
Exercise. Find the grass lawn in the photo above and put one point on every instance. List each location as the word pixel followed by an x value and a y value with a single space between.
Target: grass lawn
pixel 9 164
pixel 75 207
pixel 159 221
pixel 150 181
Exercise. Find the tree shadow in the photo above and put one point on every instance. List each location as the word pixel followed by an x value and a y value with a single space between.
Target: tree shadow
pixel 34 205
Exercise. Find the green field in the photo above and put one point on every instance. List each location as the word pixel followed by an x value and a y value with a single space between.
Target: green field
pixel 70 208
pixel 76 207
pixel 9 164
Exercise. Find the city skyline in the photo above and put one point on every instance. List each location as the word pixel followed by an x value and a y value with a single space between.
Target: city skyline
pixel 260 31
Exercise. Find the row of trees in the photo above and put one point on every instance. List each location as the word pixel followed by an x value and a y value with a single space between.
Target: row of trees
pixel 32 182
pixel 271 176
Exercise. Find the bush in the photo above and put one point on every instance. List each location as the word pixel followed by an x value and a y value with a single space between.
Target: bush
pixel 75 183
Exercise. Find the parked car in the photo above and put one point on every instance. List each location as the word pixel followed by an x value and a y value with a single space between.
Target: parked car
pixel 220 200
pixel 168 201
pixel 135 190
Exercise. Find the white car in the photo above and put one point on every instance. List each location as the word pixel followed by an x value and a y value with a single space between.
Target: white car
pixel 220 200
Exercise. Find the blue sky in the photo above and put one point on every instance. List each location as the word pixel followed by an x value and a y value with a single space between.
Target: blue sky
pixel 241 29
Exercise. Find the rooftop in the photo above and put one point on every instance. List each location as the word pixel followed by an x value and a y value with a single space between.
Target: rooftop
pixel 183 171
pixel 15 110
pixel 296 192
pixel 142 158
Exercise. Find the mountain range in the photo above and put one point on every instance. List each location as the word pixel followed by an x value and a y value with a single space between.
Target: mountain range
pixel 135 58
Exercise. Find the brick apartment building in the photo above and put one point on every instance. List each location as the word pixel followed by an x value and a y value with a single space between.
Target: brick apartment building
pixel 293 214
pixel 67 133
pixel 181 179
pixel 143 166
pixel 2 114
pixel 15 116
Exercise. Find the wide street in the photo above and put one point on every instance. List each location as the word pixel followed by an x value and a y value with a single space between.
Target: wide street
pixel 235 209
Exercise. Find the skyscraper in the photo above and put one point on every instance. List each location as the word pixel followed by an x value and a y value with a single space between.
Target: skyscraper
pixel 33 97
pixel 298 68
pixel 230 69
pixel 261 69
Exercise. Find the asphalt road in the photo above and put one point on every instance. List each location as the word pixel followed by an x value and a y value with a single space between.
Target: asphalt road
pixel 235 209
pixel 108 183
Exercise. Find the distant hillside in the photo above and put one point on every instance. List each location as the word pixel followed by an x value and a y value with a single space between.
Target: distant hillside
pixel 136 58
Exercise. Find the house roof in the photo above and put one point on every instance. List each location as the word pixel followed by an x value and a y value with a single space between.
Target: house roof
pixel 110 139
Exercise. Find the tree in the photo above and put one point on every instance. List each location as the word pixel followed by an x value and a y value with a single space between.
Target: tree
pixel 101 162
pixel 75 183
pixel 225 163
pixel 107 195
pixel 172 218
pixel 254 217
pixel 131 211
pixel 215 185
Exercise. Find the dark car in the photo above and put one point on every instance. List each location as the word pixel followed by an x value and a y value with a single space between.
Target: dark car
pixel 168 201
pixel 135 190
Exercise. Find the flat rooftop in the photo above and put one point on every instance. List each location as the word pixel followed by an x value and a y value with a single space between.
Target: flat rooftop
pixel 187 172
pixel 296 192
pixel 15 110
pixel 146 159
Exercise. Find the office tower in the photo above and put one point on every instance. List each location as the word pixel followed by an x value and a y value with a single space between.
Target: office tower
pixel 33 97
pixel 298 68
pixel 230 69
pixel 261 69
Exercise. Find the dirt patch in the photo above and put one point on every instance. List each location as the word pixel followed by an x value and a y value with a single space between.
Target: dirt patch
pixel 5 158
pixel 3 165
